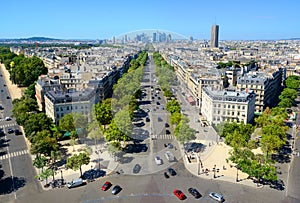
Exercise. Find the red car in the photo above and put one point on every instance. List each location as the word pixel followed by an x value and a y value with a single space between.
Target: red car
pixel 179 194
pixel 106 186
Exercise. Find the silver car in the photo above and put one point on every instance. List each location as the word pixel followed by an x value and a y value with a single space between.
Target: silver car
pixel 216 196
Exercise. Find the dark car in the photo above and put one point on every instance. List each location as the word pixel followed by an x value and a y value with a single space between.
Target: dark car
pixel 157 103
pixel 136 168
pixel 194 192
pixel 8 97
pixel 147 119
pixel 144 148
pixel 116 190
pixel 167 125
pixel 172 171
pixel 168 132
pixel 9 130
pixel 1 107
pixel 106 186
pixel 166 175
pixel 170 146
pixel 17 132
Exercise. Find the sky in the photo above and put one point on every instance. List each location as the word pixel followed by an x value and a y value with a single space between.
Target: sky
pixel 102 19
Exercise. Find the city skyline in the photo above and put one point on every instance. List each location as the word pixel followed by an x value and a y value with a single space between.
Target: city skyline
pixel 103 20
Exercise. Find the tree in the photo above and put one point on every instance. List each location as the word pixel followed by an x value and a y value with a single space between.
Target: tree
pixel 30 91
pixel 173 106
pixel 288 93
pixel 22 109
pixel 184 133
pixel 285 103
pixel 177 117
pixel 40 162
pixel 44 175
pixel 123 121
pixel 103 112
pixel 272 139
pixel 74 122
pixel 293 82
pixel 76 161
pixel 95 130
pixel 113 133
pixel 42 143
pixel 36 123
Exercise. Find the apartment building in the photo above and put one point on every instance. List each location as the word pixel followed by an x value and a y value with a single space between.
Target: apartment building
pixel 223 105
pixel 266 85
pixel 60 103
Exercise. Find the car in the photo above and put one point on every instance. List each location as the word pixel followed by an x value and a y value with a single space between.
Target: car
pixel 157 103
pixel 1 107
pixel 157 160
pixel 147 119
pixel 169 156
pixel 172 171
pixel 75 183
pixel 159 119
pixel 170 146
pixel 116 190
pixel 194 192
pixel 168 132
pixel 8 97
pixel 179 194
pixel 166 175
pixel 17 132
pixel 158 98
pixel 136 168
pixel 147 110
pixel 216 196
pixel 106 186
pixel 7 118
pixel 144 148
pixel 9 130
pixel 167 125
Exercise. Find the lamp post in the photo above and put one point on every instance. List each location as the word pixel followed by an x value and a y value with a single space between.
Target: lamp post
pixel 214 169
pixel 237 173
pixel 61 174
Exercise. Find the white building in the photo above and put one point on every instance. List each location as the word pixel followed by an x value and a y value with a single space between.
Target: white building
pixel 222 105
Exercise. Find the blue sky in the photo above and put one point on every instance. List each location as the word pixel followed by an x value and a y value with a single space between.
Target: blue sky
pixel 99 19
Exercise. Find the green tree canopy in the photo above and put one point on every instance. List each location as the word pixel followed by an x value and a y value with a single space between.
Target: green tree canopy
pixel 76 161
pixel 184 133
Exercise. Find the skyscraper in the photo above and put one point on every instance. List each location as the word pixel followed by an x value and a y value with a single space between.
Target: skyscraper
pixel 214 36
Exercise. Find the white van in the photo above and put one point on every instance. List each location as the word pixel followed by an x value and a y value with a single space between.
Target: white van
pixel 158 161
pixel 75 183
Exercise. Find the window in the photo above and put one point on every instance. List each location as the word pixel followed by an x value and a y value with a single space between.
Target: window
pixel 61 109
pixel 229 106
pixel 57 109
pixel 243 107
pixel 239 107
pixel 67 107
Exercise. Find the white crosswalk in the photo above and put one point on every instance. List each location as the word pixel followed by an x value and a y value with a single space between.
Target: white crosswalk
pixel 14 154
pixel 7 125
pixel 164 137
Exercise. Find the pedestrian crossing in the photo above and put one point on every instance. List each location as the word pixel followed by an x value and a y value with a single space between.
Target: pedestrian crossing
pixel 164 137
pixel 7 125
pixel 14 154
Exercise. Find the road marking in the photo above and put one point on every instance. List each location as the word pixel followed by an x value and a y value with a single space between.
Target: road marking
pixel 14 154
pixel 8 125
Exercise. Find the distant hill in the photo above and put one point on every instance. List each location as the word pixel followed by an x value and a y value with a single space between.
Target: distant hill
pixel 39 39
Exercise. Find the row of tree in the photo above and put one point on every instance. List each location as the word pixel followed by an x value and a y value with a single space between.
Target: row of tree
pixel 289 93
pixel 23 71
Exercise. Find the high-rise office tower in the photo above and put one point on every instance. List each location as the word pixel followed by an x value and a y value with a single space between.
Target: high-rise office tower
pixel 154 37
pixel 113 39
pixel 214 36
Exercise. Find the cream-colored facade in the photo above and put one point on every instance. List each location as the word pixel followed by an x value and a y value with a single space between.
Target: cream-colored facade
pixel 221 106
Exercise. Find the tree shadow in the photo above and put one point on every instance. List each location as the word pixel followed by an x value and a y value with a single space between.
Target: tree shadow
pixel 9 184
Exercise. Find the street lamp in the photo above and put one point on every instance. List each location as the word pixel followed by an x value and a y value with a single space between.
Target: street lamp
pixel 237 173
pixel 214 170
pixel 61 174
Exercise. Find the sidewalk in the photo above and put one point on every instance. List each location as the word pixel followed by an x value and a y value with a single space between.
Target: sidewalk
pixel 107 164
pixel 14 91
pixel 215 156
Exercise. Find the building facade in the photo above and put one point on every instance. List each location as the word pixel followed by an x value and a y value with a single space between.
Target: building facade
pixel 214 36
pixel 221 106
pixel 267 87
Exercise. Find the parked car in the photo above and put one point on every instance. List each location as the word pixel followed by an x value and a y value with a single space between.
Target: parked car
pixel 9 130
pixel 169 156
pixel 179 194
pixel 172 171
pixel 216 196
pixel 75 183
pixel 170 146
pixel 116 190
pixel 17 132
pixel 158 161
pixel 167 125
pixel 194 192
pixel 147 119
pixel 8 97
pixel 106 186
pixel 136 168
pixel 7 118
pixel 166 175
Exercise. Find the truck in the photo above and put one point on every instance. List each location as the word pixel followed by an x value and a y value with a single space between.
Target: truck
pixel 75 183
